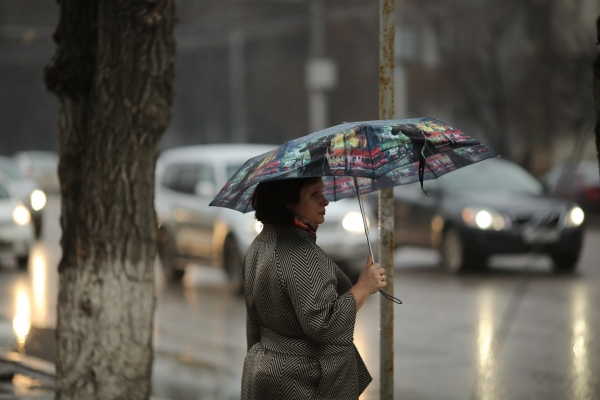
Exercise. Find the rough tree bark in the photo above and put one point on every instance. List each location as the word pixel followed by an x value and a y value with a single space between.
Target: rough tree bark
pixel 113 76
pixel 597 93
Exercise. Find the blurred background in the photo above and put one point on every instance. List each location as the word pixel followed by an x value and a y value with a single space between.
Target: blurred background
pixel 514 74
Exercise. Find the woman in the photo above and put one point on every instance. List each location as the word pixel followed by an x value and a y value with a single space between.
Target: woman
pixel 301 307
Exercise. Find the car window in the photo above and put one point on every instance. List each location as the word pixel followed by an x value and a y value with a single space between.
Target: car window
pixel 491 176
pixel 3 193
pixel 553 177
pixel 185 177
pixel 206 174
pixel 171 177
pixel 232 169
pixel 43 160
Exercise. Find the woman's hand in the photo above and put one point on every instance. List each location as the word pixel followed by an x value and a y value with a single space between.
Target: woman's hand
pixel 371 279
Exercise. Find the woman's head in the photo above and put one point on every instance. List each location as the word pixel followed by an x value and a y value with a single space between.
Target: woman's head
pixel 276 202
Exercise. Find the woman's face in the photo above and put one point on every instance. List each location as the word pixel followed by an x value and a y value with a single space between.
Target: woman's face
pixel 312 203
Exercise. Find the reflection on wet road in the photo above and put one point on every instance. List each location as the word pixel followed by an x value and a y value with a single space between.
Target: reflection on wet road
pixel 515 332
pixel 22 319
pixel 581 369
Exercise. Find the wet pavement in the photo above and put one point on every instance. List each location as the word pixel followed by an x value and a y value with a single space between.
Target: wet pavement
pixel 517 331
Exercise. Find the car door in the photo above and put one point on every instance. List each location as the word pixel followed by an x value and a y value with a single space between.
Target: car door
pixel 414 212
pixel 192 219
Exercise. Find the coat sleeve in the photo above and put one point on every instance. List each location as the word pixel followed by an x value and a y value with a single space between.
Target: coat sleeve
pixel 310 285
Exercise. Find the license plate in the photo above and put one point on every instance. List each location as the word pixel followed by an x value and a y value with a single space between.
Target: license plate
pixel 540 236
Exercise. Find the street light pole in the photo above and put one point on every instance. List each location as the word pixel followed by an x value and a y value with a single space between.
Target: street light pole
pixel 386 202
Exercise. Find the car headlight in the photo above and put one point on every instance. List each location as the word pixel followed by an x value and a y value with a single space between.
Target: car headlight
pixel 254 227
pixel 574 217
pixel 483 218
pixel 37 199
pixel 21 215
pixel 353 222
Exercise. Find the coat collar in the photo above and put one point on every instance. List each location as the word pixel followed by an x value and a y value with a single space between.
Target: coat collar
pixel 289 230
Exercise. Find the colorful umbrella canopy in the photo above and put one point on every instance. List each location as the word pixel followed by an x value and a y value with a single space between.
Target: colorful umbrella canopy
pixel 379 154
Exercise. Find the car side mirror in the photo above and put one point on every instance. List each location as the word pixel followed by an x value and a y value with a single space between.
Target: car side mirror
pixel 205 189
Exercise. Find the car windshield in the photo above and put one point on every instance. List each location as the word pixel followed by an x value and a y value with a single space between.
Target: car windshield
pixel 44 162
pixel 492 176
pixel 11 171
pixel 3 193
pixel 232 169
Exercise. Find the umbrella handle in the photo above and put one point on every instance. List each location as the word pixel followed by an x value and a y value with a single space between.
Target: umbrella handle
pixel 362 211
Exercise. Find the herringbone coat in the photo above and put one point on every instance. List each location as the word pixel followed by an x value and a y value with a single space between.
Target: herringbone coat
pixel 300 322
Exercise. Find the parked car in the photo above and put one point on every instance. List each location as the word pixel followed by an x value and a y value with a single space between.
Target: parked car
pixel 187 180
pixel 41 166
pixel 576 181
pixel 29 191
pixel 494 207
pixel 16 230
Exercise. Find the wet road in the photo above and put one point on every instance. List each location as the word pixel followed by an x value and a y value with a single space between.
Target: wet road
pixel 515 332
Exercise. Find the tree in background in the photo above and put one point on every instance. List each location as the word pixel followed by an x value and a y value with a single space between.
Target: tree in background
pixel 113 75
pixel 514 73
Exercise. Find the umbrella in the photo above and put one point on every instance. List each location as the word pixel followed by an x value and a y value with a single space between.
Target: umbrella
pixel 355 158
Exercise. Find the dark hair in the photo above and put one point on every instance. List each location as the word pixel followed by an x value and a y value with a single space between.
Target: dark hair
pixel 270 199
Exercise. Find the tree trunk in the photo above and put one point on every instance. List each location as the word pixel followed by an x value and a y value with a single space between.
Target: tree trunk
pixel 597 93
pixel 113 76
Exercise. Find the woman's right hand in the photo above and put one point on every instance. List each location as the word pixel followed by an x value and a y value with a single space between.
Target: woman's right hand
pixel 370 280
pixel 372 277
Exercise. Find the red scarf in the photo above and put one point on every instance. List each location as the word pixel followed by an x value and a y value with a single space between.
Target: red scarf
pixel 305 224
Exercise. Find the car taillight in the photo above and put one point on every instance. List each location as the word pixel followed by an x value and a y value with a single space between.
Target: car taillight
pixel 592 194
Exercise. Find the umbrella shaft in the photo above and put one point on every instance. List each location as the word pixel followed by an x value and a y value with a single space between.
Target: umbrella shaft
pixel 362 211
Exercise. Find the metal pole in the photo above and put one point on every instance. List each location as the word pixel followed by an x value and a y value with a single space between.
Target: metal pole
pixel 386 202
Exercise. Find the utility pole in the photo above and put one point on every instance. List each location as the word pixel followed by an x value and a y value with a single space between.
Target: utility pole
pixel 386 202
pixel 321 72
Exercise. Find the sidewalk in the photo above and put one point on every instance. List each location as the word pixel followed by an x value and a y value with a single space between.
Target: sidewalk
pixel 28 378
pixel 25 377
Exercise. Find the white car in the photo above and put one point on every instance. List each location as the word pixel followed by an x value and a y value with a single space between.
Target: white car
pixel 16 230
pixel 28 189
pixel 187 180
pixel 41 166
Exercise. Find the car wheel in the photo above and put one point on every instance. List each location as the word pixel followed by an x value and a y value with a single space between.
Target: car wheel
pixel 172 268
pixel 457 257
pixel 565 262
pixel 232 264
